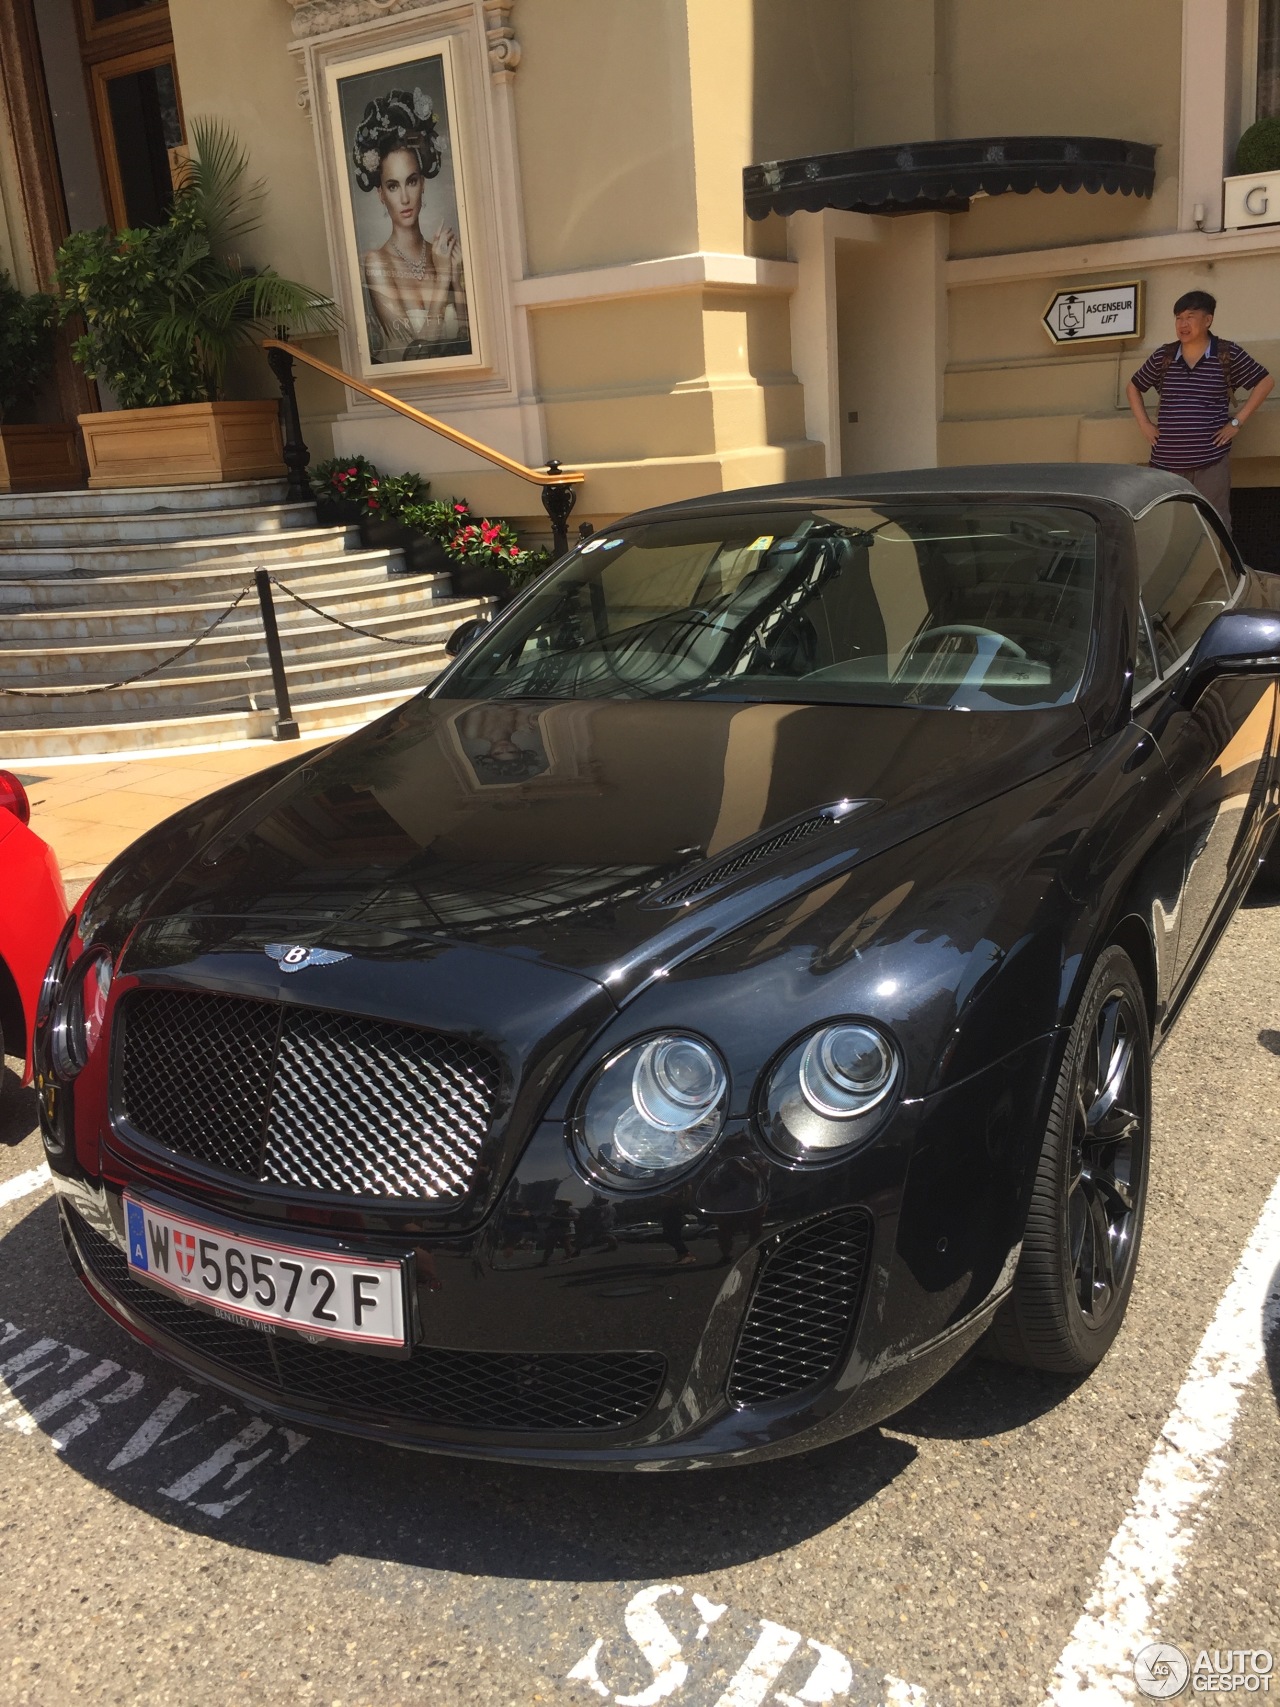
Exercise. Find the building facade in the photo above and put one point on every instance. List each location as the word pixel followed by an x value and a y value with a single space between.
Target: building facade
pixel 686 245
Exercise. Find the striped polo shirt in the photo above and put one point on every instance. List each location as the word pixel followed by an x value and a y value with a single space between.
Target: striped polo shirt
pixel 1194 404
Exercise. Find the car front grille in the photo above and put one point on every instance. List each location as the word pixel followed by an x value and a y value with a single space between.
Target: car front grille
pixel 505 1392
pixel 802 1312
pixel 324 1102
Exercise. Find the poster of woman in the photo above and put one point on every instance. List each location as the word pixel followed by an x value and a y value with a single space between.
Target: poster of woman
pixel 405 214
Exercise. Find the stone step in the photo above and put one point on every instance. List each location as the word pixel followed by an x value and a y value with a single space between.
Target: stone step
pixel 363 593
pixel 314 715
pixel 141 500
pixel 125 558
pixel 368 669
pixel 214 583
pixel 304 636
pixel 44 529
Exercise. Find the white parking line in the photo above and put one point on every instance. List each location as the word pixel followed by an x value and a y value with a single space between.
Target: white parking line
pixel 22 1185
pixel 1141 1569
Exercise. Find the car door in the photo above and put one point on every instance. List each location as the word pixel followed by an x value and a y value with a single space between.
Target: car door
pixel 1217 749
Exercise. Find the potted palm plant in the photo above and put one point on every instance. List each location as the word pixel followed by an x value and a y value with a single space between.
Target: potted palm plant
pixel 163 309
pixel 31 453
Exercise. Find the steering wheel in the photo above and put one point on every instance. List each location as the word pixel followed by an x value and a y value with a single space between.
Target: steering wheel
pixel 973 629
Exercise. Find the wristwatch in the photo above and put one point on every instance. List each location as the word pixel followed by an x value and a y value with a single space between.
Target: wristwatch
pixel 1234 421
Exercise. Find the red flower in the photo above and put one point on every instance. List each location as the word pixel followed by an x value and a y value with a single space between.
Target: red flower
pixel 489 532
pixel 340 479
pixel 352 471
pixel 460 509
pixel 372 503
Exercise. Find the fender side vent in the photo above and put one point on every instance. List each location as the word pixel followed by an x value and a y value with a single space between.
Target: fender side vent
pixel 748 853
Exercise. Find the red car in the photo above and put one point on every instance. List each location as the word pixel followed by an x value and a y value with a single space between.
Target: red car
pixel 33 910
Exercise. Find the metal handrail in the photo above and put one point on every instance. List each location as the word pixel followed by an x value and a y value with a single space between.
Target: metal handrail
pixel 558 495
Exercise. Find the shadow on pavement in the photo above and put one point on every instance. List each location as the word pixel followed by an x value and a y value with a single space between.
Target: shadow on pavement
pixel 349 1497
pixel 17 1109
pixel 982 1397
pixel 1271 1333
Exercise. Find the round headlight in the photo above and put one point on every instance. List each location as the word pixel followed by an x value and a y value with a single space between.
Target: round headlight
pixel 651 1111
pixel 831 1091
pixel 80 1012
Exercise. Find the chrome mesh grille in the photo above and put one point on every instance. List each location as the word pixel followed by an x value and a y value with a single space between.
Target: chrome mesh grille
pixel 803 1310
pixel 322 1101
pixel 511 1392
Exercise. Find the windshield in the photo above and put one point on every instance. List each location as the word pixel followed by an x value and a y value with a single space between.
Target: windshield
pixel 963 605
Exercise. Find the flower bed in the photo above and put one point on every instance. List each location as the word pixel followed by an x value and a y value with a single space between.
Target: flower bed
pixel 484 558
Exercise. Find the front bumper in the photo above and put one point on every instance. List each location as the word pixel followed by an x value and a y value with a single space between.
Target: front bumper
pixel 668 1333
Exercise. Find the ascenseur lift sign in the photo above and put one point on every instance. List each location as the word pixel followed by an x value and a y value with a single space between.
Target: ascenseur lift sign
pixel 1094 315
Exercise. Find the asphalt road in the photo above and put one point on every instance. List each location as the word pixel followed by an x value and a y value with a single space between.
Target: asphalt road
pixel 161 1544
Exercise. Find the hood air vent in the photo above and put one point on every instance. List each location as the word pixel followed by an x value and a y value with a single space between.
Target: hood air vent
pixel 776 840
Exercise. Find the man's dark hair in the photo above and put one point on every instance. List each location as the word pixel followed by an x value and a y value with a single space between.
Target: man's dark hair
pixel 1196 299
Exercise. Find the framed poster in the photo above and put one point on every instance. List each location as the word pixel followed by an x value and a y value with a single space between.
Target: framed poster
pixel 395 130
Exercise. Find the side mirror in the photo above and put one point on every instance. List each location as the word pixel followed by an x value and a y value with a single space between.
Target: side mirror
pixel 1237 643
pixel 463 636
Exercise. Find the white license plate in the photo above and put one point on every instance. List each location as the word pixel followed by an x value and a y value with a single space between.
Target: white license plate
pixel 265 1282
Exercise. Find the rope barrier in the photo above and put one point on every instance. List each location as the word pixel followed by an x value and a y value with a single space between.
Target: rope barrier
pixel 369 633
pixel 155 669
pixel 128 681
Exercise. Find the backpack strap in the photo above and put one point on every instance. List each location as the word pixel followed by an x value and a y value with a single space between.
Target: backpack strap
pixel 1164 355
pixel 1225 352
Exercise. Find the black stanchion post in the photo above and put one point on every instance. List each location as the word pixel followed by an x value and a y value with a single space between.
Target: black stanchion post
pixel 286 729
pixel 296 454
pixel 558 502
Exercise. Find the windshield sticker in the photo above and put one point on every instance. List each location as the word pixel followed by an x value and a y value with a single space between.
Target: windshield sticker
pixel 762 544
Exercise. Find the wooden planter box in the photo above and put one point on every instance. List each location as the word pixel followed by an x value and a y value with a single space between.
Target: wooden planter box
pixel 187 444
pixel 39 457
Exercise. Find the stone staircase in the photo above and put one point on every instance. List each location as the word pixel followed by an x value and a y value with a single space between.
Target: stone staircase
pixel 100 587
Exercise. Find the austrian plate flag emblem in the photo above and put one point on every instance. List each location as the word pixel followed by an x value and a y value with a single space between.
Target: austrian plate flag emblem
pixel 184 1248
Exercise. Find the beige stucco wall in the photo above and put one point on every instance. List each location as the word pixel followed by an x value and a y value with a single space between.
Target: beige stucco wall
pixel 234 66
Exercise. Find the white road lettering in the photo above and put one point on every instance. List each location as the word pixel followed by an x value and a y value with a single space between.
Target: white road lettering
pixel 80 1412
pixel 149 1433
pixel 648 1630
pixel 831 1676
pixel 1142 1566
pixel 22 1185
pixel 762 1667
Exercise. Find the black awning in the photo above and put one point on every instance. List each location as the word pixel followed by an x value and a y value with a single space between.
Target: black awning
pixel 933 177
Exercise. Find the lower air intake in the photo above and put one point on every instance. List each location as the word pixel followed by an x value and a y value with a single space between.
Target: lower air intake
pixel 503 1392
pixel 803 1309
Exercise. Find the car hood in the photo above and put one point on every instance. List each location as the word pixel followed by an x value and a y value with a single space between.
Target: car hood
pixel 601 838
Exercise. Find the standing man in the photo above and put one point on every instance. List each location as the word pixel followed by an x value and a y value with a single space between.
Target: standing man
pixel 1197 378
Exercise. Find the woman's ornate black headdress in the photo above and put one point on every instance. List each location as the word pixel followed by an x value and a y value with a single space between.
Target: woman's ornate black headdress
pixel 397 119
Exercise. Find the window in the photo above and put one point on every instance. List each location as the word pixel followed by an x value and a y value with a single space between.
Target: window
pixel 1180 576
pixel 983 606
pixel 1144 662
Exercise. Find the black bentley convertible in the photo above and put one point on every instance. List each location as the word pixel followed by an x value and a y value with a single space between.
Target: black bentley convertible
pixel 723 997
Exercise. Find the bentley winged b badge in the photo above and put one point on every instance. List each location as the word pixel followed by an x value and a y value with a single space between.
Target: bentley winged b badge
pixel 293 957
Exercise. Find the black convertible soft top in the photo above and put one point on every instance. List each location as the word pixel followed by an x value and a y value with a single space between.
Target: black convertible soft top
pixel 1130 489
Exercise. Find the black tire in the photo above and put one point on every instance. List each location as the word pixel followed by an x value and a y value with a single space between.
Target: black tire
pixel 1084 1227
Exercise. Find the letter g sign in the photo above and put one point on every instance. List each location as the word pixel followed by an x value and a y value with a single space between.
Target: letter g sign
pixel 1255 200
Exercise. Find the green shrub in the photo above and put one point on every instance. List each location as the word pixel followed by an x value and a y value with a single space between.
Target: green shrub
pixel 1259 148
pixel 27 327
pixel 347 477
pixel 165 306
pixel 390 495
